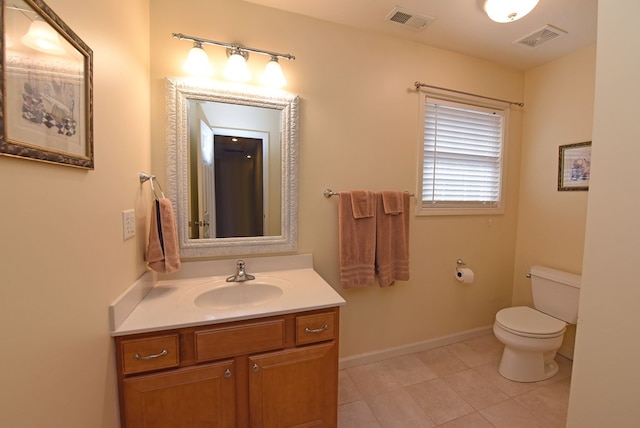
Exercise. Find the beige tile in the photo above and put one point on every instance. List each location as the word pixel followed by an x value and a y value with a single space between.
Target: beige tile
pixel 409 369
pixel 439 401
pixel 549 402
pixel 373 378
pixel 509 387
pixel 347 391
pixel 474 389
pixel 441 361
pixel 478 351
pixel 474 420
pixel 356 415
pixel 398 409
pixel 510 414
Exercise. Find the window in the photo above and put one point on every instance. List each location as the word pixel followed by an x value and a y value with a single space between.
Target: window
pixel 462 162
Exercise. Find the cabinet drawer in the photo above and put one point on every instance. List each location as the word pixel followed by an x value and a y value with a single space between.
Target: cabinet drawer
pixel 239 340
pixel 151 353
pixel 315 328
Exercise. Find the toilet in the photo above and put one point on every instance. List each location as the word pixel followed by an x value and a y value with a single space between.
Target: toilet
pixel 531 337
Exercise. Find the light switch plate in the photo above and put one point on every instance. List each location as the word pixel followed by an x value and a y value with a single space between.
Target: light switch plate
pixel 128 224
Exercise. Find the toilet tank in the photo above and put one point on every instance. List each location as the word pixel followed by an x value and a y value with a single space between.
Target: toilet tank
pixel 555 292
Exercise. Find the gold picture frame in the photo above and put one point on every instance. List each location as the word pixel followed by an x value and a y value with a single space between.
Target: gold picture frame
pixel 47 87
pixel 574 166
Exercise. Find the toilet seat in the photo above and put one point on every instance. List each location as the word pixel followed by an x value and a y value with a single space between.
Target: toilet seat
pixel 527 322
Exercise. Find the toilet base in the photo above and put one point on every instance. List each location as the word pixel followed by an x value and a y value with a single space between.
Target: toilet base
pixel 527 366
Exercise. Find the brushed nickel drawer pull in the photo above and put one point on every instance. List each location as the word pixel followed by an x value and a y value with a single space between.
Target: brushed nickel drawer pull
pixel 316 330
pixel 227 374
pixel 151 357
pixel 255 367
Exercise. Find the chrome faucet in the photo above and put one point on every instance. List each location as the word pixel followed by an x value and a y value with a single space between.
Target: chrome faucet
pixel 241 275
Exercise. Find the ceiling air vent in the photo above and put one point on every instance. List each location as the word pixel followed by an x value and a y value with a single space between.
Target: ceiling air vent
pixel 409 19
pixel 540 37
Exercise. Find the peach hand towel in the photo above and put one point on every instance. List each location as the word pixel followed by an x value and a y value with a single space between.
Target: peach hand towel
pixel 163 253
pixel 356 240
pixel 393 202
pixel 363 203
pixel 392 237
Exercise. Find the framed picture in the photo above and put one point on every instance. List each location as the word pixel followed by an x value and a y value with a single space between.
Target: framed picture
pixel 574 166
pixel 47 96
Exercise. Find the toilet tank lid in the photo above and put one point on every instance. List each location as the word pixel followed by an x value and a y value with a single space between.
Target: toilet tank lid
pixel 556 275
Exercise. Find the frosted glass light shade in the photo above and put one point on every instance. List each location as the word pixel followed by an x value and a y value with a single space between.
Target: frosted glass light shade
pixel 273 75
pixel 42 37
pixel 237 69
pixel 197 63
pixel 508 10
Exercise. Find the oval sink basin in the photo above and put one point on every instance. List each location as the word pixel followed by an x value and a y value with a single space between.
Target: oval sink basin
pixel 238 294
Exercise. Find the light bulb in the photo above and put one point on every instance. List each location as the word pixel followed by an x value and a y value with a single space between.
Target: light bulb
pixel 236 68
pixel 508 10
pixel 273 75
pixel 197 63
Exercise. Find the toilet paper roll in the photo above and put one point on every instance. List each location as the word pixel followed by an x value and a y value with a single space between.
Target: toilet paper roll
pixel 464 275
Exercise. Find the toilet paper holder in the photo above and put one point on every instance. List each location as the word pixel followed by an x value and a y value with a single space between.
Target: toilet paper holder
pixel 460 263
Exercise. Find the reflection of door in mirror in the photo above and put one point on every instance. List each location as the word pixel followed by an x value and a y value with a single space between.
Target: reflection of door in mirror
pixel 241 182
pixel 201 226
pixel 234 186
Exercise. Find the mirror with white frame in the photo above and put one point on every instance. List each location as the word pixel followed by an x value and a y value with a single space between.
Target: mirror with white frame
pixel 232 167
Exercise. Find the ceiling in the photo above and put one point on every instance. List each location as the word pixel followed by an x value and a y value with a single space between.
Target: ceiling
pixel 462 26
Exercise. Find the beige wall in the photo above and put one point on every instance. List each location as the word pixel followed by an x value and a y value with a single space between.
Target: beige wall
pixel 604 388
pixel 558 111
pixel 62 257
pixel 358 129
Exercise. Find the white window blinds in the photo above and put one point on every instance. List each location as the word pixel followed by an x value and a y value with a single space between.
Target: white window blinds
pixel 462 162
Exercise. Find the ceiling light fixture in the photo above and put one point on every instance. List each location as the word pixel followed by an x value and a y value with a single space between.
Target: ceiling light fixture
pixel 508 10
pixel 236 68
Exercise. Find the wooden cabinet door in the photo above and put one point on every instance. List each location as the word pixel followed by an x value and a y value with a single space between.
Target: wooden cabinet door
pixel 294 388
pixel 194 397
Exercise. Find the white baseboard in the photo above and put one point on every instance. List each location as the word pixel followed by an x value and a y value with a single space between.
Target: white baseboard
pixel 383 354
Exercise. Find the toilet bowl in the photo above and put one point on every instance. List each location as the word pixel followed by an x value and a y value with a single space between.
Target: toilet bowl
pixel 531 337
pixel 531 341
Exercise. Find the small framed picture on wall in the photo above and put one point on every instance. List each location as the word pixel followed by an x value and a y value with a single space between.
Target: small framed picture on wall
pixel 574 166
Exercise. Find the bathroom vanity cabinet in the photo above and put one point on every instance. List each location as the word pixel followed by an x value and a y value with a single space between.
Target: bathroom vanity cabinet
pixel 271 372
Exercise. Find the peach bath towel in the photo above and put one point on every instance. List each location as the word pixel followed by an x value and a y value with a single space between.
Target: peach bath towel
pixel 392 237
pixel 357 238
pixel 163 253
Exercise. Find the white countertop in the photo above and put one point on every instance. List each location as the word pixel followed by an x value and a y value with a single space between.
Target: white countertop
pixel 170 302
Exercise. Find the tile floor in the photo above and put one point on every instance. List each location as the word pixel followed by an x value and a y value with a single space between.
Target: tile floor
pixel 454 386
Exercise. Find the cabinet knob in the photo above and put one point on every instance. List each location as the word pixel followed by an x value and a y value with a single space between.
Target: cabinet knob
pixel 227 374
pixel 255 367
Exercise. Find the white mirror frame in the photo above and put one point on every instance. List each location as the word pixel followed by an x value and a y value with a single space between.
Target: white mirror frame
pixel 177 93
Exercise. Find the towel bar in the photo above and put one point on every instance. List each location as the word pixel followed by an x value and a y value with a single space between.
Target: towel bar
pixel 329 193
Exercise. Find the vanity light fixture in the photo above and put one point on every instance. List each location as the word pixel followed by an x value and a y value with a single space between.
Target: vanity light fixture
pixel 236 68
pixel 42 37
pixel 197 62
pixel 508 10
pixel 273 75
